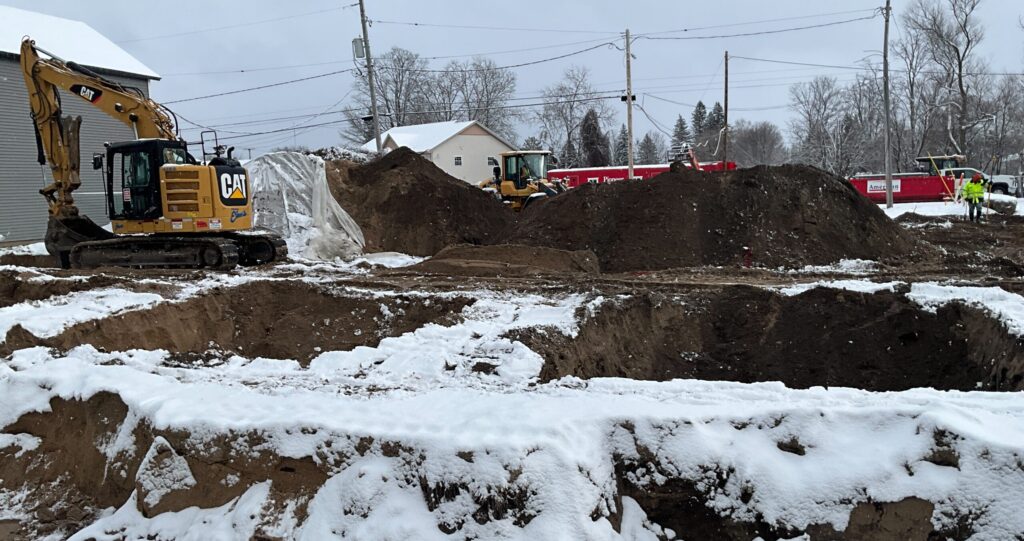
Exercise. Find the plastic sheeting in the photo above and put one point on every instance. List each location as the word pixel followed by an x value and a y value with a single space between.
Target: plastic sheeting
pixel 292 199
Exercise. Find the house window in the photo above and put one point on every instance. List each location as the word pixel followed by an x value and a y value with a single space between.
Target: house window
pixel 492 161
pixel 458 160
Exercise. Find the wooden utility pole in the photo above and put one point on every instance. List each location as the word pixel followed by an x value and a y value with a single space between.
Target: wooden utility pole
pixel 629 104
pixel 369 75
pixel 888 113
pixel 725 129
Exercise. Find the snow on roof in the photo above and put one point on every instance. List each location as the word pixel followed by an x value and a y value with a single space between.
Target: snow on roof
pixel 71 40
pixel 426 137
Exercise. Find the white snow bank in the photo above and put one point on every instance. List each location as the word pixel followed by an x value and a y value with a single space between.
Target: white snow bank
pixel 1005 306
pixel 292 199
pixel 939 208
pixel 560 439
pixel 855 267
pixel 36 248
pixel 48 318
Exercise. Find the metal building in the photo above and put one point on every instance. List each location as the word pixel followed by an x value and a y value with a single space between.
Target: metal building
pixel 22 210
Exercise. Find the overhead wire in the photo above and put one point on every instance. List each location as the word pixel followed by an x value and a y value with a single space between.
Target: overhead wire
pixel 760 32
pixel 761 21
pixel 496 28
pixel 238 25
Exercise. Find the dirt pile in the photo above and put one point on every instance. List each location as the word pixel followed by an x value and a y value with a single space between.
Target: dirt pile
pixel 508 260
pixel 764 216
pixel 877 342
pixel 279 320
pixel 404 203
pixel 18 287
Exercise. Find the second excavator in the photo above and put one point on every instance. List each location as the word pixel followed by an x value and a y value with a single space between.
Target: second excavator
pixel 166 208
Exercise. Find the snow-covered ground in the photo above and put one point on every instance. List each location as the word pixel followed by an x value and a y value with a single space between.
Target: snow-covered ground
pixel 499 431
pixel 948 208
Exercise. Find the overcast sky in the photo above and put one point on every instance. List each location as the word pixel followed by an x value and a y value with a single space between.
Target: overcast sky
pixel 199 46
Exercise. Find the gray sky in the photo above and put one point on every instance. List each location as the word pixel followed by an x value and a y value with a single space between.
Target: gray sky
pixel 679 70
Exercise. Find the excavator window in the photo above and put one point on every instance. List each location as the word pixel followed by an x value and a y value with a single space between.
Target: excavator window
pixel 135 194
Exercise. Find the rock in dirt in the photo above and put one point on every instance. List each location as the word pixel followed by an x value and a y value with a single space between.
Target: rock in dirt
pixel 508 260
pixel 766 216
pixel 404 203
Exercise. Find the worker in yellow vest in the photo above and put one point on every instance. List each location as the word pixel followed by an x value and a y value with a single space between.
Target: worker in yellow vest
pixel 974 193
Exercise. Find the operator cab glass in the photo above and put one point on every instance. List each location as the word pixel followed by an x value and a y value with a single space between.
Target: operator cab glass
pixel 133 176
pixel 523 168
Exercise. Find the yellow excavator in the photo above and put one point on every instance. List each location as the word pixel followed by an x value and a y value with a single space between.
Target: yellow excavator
pixel 520 179
pixel 166 208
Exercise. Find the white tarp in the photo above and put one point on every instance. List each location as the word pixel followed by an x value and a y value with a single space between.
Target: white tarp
pixel 291 198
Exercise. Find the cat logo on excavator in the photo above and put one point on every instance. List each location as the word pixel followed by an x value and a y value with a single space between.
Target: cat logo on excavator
pixel 233 187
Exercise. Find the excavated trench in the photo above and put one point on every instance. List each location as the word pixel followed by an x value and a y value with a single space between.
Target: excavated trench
pixel 823 337
pixel 272 319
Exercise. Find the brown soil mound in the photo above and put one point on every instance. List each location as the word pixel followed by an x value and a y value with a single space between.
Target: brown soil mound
pixel 405 203
pixel 877 342
pixel 15 287
pixel 787 216
pixel 280 320
pixel 28 260
pixel 508 260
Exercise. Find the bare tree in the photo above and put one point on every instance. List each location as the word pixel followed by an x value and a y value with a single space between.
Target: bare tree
pixel 565 104
pixel 953 34
pixel 486 90
pixel 758 143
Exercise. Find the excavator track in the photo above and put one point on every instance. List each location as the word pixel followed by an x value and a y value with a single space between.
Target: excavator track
pixel 214 252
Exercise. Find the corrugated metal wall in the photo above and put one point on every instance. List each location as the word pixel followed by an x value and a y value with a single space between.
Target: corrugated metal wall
pixel 22 209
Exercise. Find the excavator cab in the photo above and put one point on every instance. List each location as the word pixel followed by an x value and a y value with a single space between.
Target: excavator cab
pixel 133 176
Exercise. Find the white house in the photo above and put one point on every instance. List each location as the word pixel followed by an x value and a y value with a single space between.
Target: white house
pixel 465 150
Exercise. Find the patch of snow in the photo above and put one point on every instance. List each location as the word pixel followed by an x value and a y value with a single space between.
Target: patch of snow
pixel 348 154
pixel 24 443
pixel 36 248
pixel 1005 306
pixel 51 316
pixel 938 208
pixel 860 286
pixel 855 267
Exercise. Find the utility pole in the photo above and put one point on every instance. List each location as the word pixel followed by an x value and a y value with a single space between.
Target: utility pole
pixel 725 129
pixel 629 104
pixel 250 152
pixel 369 75
pixel 888 113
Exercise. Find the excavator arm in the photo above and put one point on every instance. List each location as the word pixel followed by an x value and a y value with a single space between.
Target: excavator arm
pixel 57 136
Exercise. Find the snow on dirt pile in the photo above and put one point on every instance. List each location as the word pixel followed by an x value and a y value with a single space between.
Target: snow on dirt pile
pixel 404 203
pixel 291 198
pixel 788 216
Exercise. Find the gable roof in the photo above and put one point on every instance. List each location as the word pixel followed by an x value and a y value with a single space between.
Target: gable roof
pixel 426 137
pixel 69 39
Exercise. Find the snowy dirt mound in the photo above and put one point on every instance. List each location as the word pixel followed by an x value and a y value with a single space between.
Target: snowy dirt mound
pixel 404 203
pixel 258 450
pixel 787 216
pixel 291 198
pixel 274 319
pixel 880 341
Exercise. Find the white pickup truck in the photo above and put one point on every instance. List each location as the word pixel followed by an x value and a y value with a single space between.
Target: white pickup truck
pixel 1004 184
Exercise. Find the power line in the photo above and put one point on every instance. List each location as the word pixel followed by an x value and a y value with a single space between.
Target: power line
pixel 382 67
pixel 251 70
pixel 261 87
pixel 866 68
pixel 239 25
pixel 761 32
pixel 469 109
pixel 500 28
pixel 762 21
pixel 765 108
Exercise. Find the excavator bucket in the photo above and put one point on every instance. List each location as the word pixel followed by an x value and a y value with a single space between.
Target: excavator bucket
pixel 63 233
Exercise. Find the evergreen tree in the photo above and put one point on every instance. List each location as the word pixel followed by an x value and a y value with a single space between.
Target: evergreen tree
pixel 680 136
pixel 716 120
pixel 593 145
pixel 648 151
pixel 570 157
pixel 622 147
pixel 699 118
pixel 532 143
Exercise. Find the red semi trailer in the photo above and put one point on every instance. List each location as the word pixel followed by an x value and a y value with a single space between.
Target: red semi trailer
pixel 599 175
pixel 935 181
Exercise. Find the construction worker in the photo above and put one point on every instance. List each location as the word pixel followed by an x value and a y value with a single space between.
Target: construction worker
pixel 974 192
